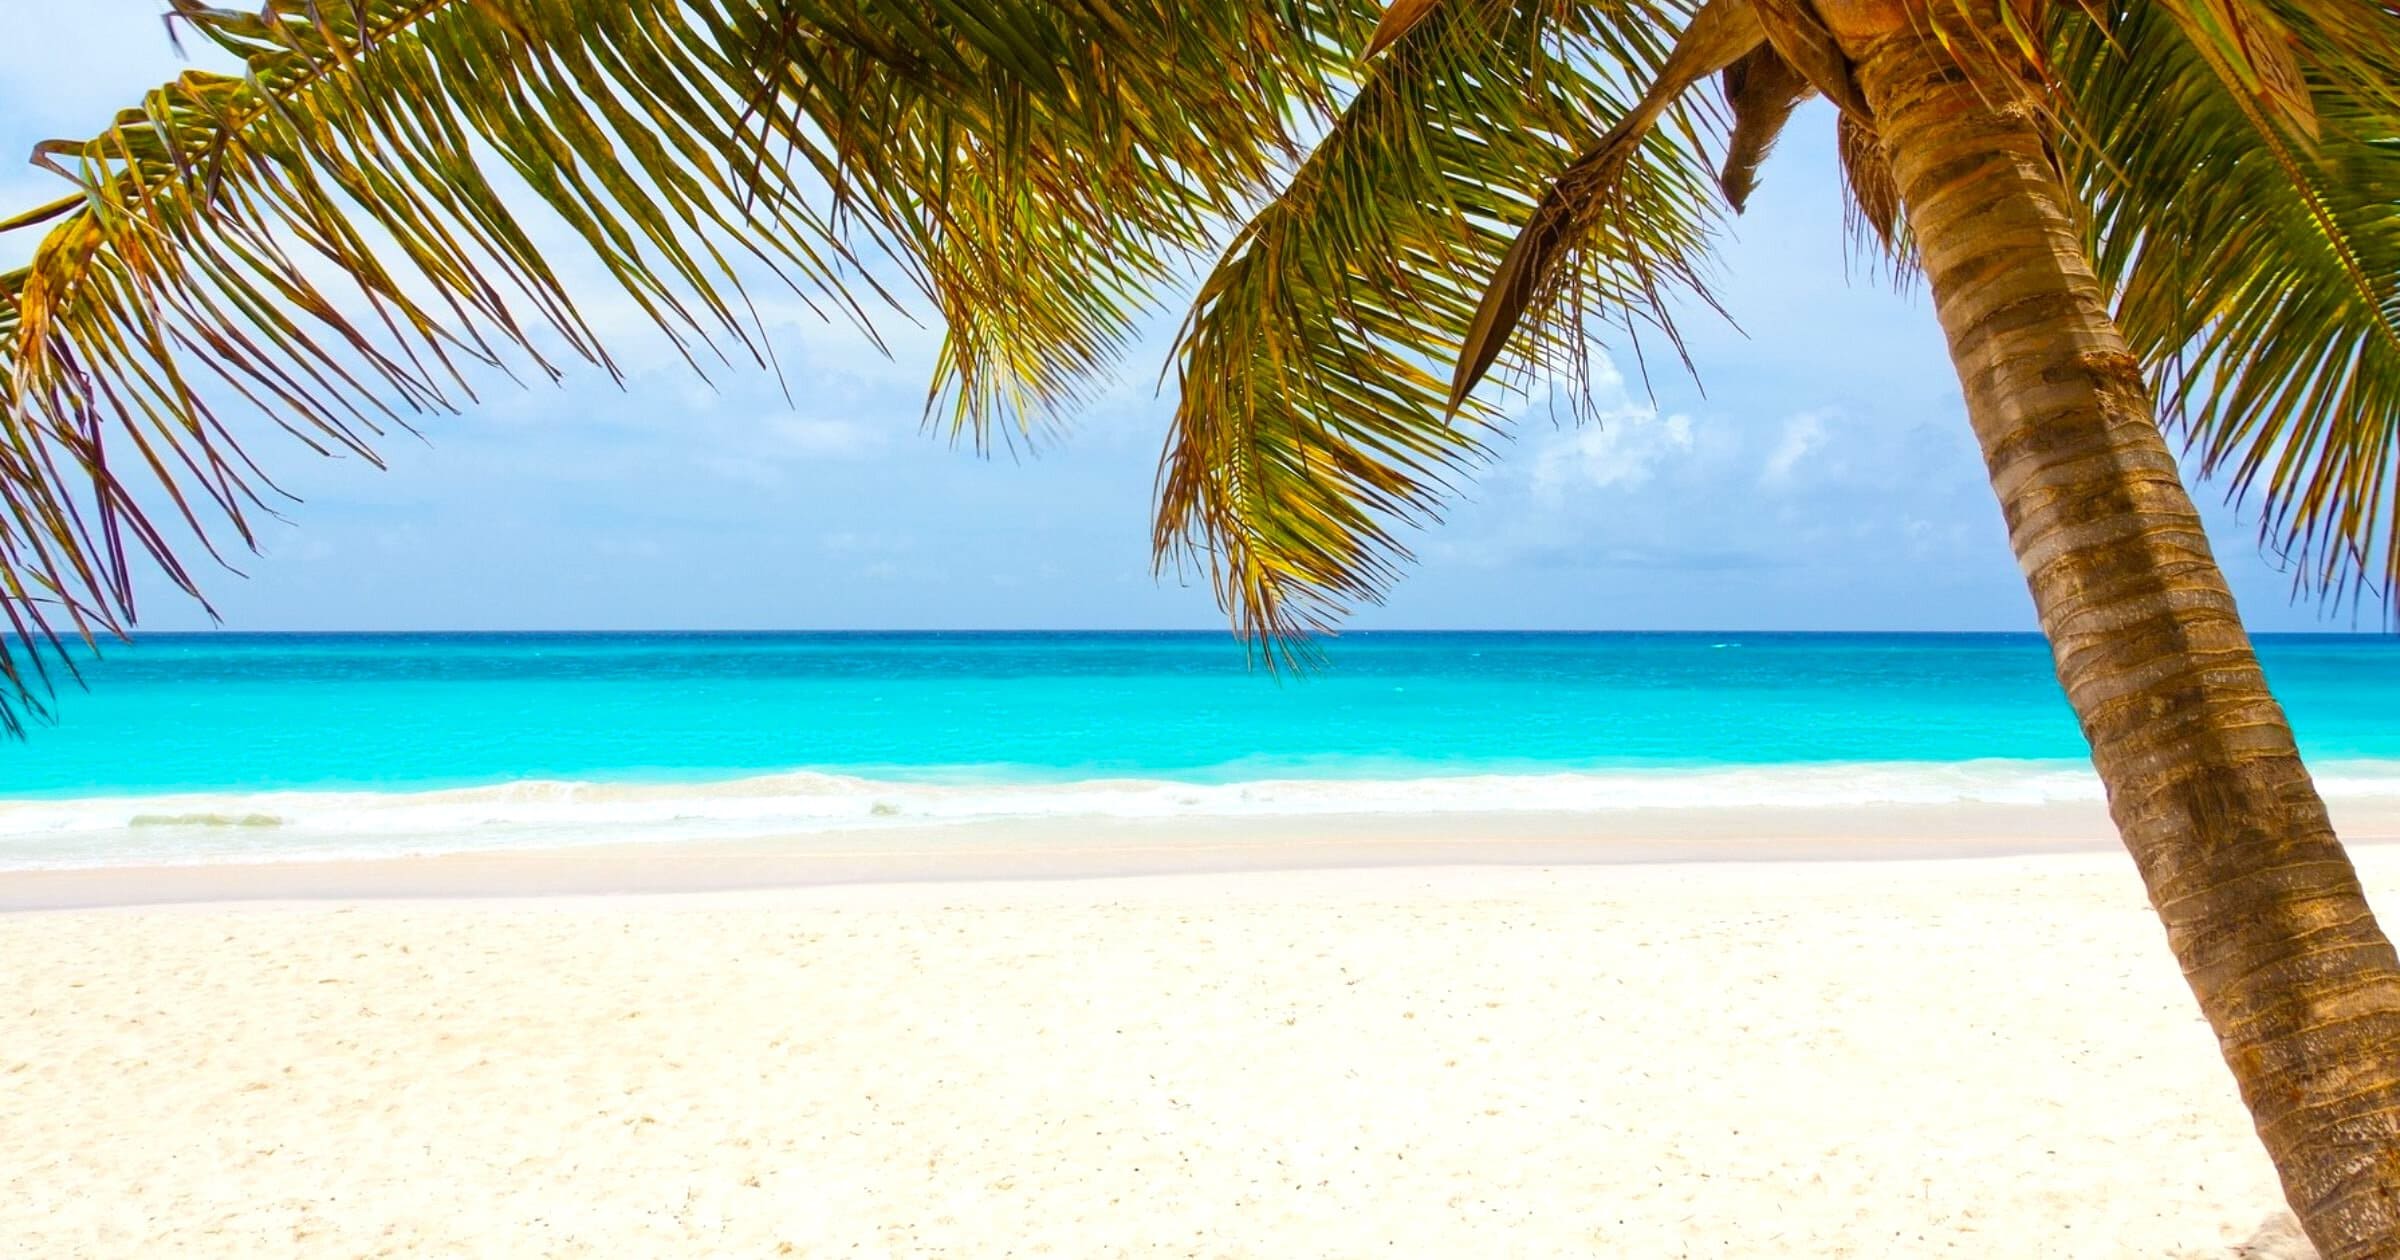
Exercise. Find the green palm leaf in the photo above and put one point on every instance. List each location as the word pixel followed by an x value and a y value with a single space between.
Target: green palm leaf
pixel 1315 418
pixel 336 236
pixel 2258 268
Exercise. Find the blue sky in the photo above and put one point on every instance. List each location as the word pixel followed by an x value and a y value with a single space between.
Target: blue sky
pixel 1824 480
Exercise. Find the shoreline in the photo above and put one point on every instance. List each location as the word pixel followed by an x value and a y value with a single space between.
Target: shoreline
pixel 1087 848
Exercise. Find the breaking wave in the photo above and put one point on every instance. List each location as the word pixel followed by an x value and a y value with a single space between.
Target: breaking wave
pixel 128 830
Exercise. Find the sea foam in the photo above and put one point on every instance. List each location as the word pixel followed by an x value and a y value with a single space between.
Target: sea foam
pixel 121 830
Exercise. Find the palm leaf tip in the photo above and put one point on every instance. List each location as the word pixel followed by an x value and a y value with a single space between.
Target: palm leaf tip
pixel 1871 197
pixel 1399 18
pixel 1587 204
pixel 1762 90
pixel 1531 257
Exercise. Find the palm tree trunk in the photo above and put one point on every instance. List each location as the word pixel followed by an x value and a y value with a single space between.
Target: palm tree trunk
pixel 2261 906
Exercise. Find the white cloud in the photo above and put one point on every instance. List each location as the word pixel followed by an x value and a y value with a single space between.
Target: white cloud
pixel 1802 434
pixel 1620 452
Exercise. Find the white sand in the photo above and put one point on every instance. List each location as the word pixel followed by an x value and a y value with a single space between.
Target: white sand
pixel 1989 1057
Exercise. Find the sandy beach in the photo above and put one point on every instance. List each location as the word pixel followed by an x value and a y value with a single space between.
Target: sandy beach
pixel 1972 1056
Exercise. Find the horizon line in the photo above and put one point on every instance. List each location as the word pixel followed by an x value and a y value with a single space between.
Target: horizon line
pixel 1222 631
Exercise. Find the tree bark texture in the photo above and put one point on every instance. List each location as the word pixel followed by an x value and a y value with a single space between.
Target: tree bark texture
pixel 2261 906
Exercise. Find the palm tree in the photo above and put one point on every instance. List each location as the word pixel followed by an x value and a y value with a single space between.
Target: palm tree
pixel 2127 212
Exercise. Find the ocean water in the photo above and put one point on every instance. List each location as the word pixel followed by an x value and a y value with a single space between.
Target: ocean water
pixel 233 747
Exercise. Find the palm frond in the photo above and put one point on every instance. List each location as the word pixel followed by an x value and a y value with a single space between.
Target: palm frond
pixel 1048 214
pixel 1871 211
pixel 1315 418
pixel 1799 36
pixel 1762 90
pixel 2258 270
pixel 1399 18
pixel 2253 54
pixel 337 236
pixel 1586 210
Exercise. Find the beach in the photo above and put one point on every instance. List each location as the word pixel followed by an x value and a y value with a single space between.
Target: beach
pixel 1091 945
pixel 708 628
pixel 1959 1055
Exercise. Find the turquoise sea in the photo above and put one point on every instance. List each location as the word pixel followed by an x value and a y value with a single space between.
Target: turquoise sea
pixel 215 747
